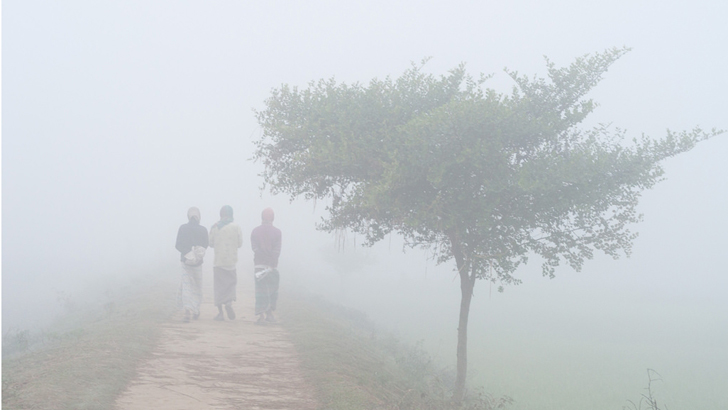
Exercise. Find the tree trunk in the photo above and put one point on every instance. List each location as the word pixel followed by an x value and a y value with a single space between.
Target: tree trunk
pixel 466 294
pixel 467 283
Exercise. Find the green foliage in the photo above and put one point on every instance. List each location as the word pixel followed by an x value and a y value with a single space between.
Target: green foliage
pixel 471 174
pixel 464 171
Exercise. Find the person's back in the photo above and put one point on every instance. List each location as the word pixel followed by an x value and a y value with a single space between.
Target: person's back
pixel 191 236
pixel 266 243
pixel 226 241
pixel 225 238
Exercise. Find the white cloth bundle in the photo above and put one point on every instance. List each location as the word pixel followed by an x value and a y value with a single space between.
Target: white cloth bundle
pixel 194 257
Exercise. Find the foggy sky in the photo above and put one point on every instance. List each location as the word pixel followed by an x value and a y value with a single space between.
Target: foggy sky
pixel 118 116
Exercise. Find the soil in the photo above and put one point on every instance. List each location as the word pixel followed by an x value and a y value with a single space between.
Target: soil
pixel 233 364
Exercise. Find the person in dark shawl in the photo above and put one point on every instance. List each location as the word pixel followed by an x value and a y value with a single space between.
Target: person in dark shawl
pixel 192 241
pixel 225 238
pixel 266 243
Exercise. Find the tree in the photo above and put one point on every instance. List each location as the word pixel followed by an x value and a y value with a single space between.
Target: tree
pixel 470 174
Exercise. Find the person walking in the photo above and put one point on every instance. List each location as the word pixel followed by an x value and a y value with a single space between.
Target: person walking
pixel 225 238
pixel 192 241
pixel 266 243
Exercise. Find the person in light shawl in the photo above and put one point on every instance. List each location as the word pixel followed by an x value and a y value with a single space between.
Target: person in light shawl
pixel 192 241
pixel 225 238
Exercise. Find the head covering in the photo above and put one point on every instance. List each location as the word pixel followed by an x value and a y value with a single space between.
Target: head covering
pixel 193 212
pixel 226 212
pixel 268 215
pixel 226 216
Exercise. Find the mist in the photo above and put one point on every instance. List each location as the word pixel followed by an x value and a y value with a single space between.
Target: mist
pixel 117 117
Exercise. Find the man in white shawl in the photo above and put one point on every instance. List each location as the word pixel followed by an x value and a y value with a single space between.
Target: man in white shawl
pixel 225 238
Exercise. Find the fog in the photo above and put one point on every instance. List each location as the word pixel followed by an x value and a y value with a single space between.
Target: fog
pixel 118 116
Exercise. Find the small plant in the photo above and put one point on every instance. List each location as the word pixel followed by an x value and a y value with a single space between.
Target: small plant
pixel 15 341
pixel 648 399
pixel 486 401
pixel 66 300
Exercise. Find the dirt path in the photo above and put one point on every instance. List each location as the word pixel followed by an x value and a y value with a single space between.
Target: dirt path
pixel 206 364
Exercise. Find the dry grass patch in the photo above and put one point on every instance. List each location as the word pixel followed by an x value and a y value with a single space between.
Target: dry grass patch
pixel 88 363
pixel 355 366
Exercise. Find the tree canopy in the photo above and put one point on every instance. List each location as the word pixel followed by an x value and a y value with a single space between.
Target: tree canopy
pixel 443 161
pixel 475 175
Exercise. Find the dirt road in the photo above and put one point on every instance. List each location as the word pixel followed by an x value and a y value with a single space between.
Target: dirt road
pixel 206 364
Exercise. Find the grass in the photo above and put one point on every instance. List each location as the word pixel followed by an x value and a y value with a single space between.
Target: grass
pixel 89 357
pixel 86 361
pixel 647 399
pixel 355 366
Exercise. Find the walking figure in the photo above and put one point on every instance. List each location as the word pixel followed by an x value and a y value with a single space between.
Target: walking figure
pixel 191 243
pixel 225 238
pixel 266 243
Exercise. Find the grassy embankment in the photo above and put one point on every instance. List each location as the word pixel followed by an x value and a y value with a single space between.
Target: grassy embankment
pixel 90 358
pixel 355 366
pixel 90 355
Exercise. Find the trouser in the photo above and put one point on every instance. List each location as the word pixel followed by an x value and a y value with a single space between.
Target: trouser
pixel 266 290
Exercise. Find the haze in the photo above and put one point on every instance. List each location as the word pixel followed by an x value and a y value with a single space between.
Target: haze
pixel 118 116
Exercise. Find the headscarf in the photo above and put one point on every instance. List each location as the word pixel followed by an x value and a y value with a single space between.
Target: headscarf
pixel 268 215
pixel 226 216
pixel 193 212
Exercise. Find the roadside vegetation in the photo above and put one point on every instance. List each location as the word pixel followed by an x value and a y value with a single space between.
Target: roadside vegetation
pixel 475 176
pixel 90 355
pixel 354 365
